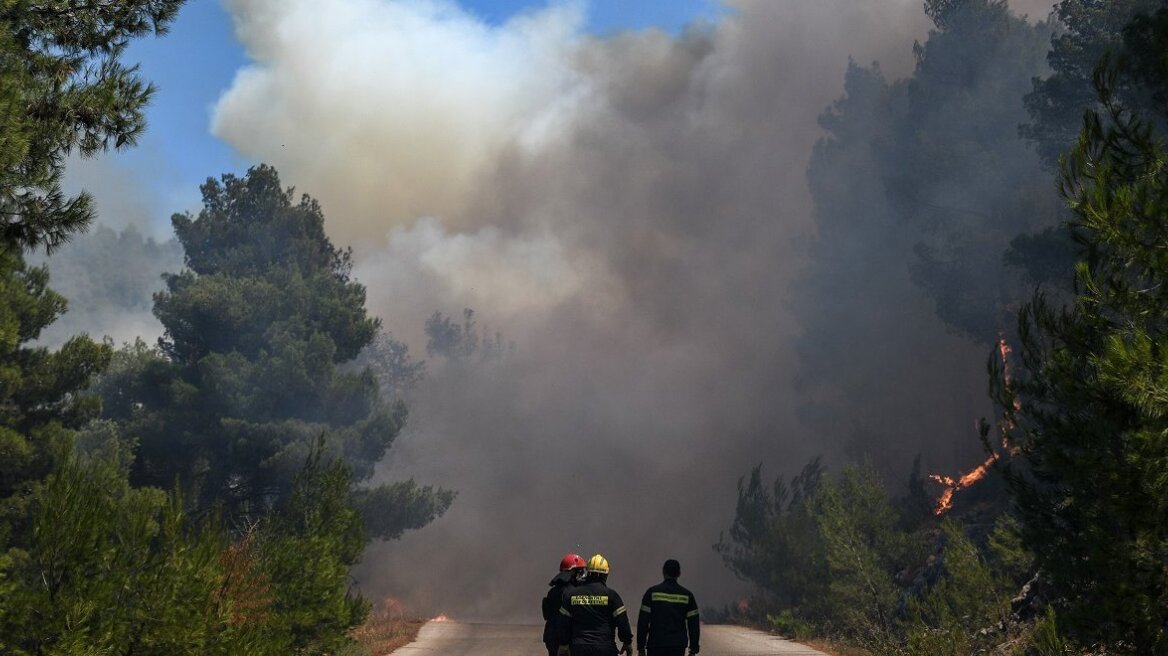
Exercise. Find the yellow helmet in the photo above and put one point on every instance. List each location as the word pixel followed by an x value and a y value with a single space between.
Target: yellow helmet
pixel 597 564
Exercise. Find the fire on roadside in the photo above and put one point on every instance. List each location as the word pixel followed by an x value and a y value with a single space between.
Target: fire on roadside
pixel 391 625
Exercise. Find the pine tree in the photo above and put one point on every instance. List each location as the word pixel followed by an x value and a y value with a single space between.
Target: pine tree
pixel 63 91
pixel 306 551
pixel 774 541
pixel 262 328
pixel 864 550
pixel 1090 29
pixel 40 400
pixel 949 618
pixel 1087 410
pixel 106 568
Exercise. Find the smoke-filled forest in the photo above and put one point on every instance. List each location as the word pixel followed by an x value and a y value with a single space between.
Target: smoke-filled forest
pixel 855 308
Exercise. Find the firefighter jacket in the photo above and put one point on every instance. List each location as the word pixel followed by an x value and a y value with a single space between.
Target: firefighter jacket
pixel 668 618
pixel 590 615
pixel 551 605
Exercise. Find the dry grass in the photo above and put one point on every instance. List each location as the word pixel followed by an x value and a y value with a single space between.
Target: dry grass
pixel 833 649
pixel 385 631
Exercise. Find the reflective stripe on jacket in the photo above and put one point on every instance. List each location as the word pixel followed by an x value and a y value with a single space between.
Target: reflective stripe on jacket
pixel 668 618
pixel 592 615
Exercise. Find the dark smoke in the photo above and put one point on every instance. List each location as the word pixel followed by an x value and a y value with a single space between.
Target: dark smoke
pixel 632 212
pixel 633 402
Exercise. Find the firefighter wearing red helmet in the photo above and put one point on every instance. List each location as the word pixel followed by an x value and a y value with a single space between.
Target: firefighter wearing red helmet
pixel 571 573
pixel 592 615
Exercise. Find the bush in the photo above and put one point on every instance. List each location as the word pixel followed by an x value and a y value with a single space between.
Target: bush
pixel 103 567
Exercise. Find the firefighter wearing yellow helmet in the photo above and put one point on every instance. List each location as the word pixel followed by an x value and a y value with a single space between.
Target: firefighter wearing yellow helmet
pixel 592 616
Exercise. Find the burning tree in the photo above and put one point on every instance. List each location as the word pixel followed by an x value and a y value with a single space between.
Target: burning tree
pixel 1087 408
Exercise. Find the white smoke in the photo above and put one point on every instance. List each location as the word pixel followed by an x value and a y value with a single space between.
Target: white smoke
pixel 388 111
pixel 630 210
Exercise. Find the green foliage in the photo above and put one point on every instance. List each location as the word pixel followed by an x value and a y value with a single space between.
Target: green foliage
pixel 969 597
pixel 64 90
pixel 1008 552
pixel 255 364
pixel 1085 405
pixel 823 553
pixel 391 509
pixel 1046 640
pixel 90 564
pixel 307 551
pixel 864 550
pixel 1088 402
pixel 39 400
pixel 105 568
pixel 250 241
pixel 133 372
pixel 102 567
pixel 774 541
pixel 846 561
pixel 785 623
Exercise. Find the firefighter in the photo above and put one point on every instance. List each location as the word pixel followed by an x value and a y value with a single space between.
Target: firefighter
pixel 590 615
pixel 571 573
pixel 668 620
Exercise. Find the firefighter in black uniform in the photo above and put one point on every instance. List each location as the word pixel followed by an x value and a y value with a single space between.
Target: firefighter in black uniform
pixel 590 615
pixel 571 573
pixel 668 620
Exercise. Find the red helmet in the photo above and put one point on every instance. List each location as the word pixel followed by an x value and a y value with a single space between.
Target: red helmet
pixel 571 561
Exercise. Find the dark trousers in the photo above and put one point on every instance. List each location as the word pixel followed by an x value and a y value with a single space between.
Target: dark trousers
pixel 552 648
pixel 667 651
pixel 584 650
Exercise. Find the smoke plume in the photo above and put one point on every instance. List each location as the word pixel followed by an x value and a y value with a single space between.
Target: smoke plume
pixel 631 211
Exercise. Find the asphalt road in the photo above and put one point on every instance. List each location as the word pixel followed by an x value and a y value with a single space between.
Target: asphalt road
pixel 448 638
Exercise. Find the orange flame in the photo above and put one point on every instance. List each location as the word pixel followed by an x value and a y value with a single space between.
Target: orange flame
pixel 945 501
pixel 1007 424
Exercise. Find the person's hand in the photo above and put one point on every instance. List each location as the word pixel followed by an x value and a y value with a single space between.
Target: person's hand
pixel 693 651
pixel 627 649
